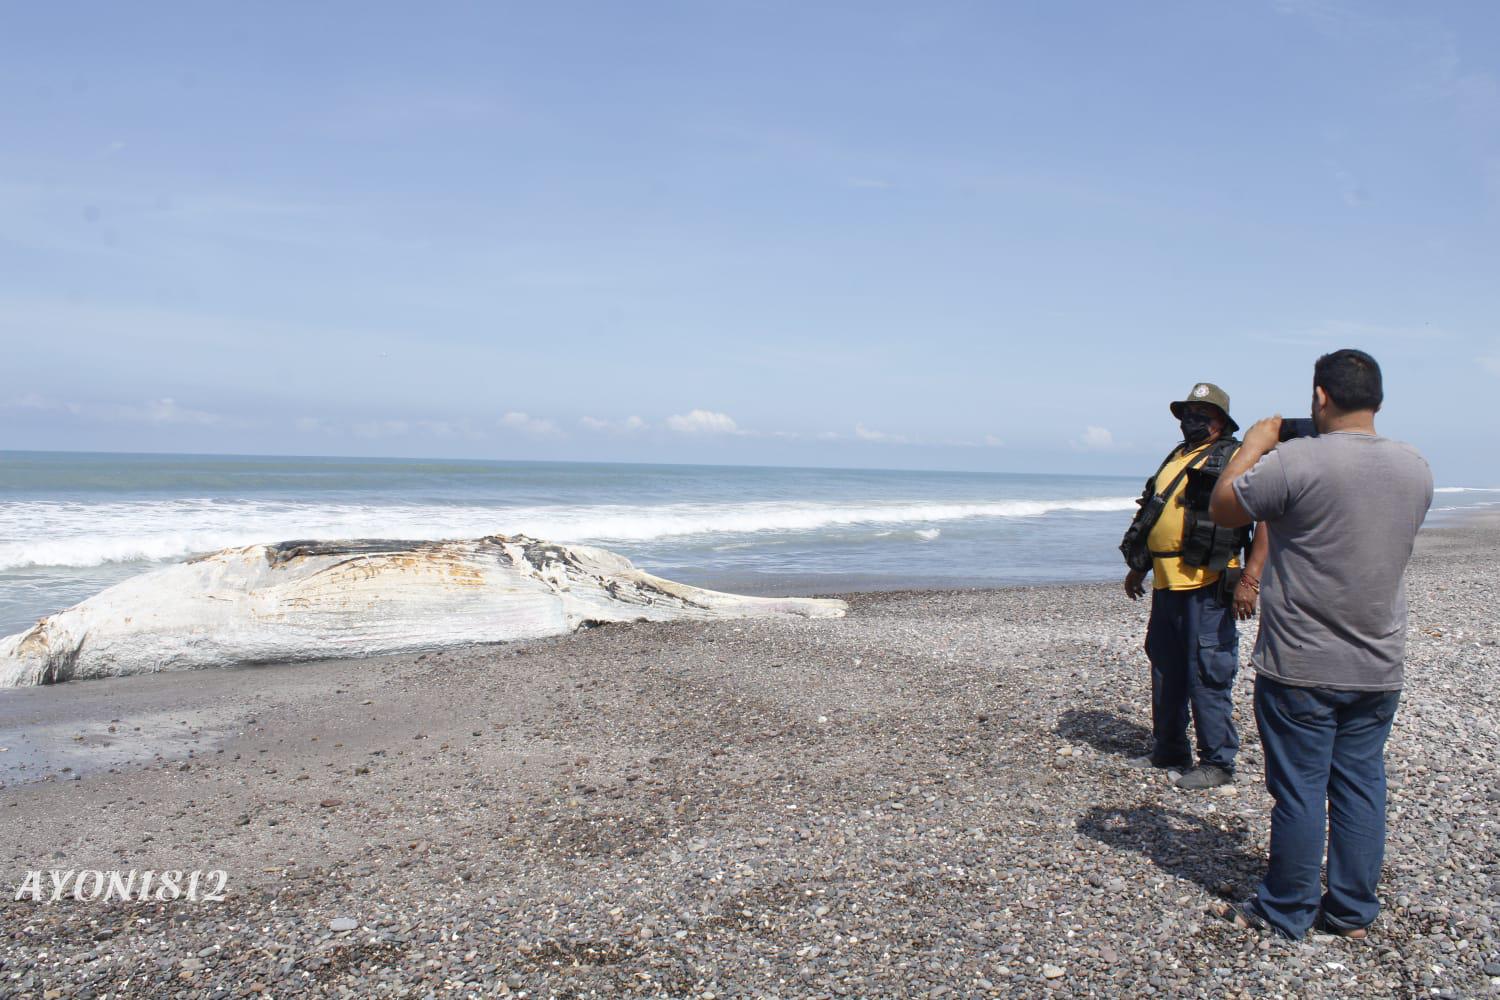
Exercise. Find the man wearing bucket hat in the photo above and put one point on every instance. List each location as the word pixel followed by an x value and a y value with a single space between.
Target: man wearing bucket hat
pixel 1198 592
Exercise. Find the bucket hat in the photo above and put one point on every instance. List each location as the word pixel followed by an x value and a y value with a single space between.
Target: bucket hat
pixel 1207 392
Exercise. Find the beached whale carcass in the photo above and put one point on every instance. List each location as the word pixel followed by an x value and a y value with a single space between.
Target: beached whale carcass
pixel 317 600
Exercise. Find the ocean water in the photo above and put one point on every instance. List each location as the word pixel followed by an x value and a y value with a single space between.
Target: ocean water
pixel 72 524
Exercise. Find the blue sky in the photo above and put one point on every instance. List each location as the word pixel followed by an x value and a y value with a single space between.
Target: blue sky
pixel 980 236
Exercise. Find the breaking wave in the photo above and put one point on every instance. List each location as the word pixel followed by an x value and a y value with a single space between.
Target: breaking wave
pixel 67 534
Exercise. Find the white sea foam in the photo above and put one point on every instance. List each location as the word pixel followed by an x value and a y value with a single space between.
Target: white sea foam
pixel 66 534
pixel 1468 506
pixel 1467 489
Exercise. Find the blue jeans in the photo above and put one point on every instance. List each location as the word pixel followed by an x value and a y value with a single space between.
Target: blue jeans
pixel 1194 650
pixel 1325 767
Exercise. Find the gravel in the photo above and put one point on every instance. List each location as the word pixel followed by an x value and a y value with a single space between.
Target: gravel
pixel 876 806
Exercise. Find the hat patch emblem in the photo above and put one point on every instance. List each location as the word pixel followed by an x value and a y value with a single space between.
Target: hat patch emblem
pixel 1199 391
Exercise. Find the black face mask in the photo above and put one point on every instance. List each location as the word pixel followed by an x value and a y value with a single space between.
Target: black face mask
pixel 1195 428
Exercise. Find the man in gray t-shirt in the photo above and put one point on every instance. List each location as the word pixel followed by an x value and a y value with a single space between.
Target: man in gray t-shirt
pixel 1342 510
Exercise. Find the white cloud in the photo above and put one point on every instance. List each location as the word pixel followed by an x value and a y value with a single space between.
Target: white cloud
pixel 381 428
pixel 880 437
pixel 31 401
pixel 519 421
pixel 1095 439
pixel 1351 188
pixel 703 422
pixel 157 411
pixel 627 426
pixel 984 441
pixel 392 427
pixel 166 411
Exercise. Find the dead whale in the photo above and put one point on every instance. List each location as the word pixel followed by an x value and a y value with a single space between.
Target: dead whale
pixel 307 600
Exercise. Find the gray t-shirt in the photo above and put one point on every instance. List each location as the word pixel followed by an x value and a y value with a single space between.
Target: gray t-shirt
pixel 1343 510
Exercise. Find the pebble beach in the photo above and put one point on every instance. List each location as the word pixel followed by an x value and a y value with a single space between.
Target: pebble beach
pixel 927 798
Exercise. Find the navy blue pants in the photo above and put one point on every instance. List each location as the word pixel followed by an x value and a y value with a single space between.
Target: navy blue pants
pixel 1194 650
pixel 1325 767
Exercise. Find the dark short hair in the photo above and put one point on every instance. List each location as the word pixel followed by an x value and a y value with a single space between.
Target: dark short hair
pixel 1351 378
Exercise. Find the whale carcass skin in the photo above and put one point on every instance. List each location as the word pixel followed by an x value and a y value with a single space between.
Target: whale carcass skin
pixel 309 600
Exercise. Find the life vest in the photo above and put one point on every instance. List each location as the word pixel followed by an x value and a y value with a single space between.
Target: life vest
pixel 1203 542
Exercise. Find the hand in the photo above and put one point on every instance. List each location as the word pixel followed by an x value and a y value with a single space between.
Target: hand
pixel 1263 435
pixel 1246 595
pixel 1133 588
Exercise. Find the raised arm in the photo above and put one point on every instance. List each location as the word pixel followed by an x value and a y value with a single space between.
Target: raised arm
pixel 1224 507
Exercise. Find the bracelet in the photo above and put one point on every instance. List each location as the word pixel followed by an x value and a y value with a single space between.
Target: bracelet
pixel 1247 580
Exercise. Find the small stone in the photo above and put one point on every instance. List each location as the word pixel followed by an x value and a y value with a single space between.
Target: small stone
pixel 1050 971
pixel 331 803
pixel 697 844
pixel 342 924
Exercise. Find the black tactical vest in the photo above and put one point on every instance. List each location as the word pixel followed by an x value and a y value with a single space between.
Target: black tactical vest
pixel 1203 542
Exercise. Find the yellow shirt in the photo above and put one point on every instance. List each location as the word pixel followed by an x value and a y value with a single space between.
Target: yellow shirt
pixel 1166 534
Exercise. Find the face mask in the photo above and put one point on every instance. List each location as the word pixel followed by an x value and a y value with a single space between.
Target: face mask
pixel 1195 428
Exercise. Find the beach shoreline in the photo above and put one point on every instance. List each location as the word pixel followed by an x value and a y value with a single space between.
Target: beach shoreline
pixel 926 797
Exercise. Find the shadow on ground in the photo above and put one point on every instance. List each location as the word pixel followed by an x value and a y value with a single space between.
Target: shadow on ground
pixel 1188 846
pixel 1106 732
